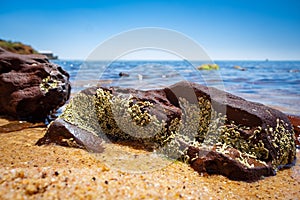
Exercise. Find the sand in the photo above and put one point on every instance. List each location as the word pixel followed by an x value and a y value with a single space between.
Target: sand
pixel 28 171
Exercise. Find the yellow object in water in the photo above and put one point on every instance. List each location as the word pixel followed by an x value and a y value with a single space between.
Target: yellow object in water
pixel 208 67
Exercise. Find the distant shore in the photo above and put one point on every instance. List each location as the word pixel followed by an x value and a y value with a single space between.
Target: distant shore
pixel 20 48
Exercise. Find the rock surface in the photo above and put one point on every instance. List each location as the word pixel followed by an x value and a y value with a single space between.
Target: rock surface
pixel 66 134
pixel 214 131
pixel 295 120
pixel 31 87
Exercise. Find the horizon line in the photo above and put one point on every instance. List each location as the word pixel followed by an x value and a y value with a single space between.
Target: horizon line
pixel 213 60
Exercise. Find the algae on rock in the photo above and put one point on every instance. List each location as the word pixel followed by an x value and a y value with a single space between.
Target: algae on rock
pixel 125 117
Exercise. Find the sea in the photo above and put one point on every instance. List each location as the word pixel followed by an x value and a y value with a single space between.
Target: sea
pixel 273 83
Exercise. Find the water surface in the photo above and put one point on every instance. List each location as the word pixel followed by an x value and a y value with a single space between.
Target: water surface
pixel 274 83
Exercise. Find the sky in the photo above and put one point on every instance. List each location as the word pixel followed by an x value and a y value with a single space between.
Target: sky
pixel 226 29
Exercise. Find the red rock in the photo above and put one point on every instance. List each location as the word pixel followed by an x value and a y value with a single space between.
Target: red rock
pixel 66 134
pixel 31 87
pixel 295 120
pixel 259 142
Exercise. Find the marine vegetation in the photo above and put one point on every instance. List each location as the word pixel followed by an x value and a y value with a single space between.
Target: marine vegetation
pixel 126 117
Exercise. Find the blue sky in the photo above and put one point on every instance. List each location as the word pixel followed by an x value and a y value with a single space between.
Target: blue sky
pixel 227 29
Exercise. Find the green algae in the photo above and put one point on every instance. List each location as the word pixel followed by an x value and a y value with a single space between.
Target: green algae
pixel 128 118
pixel 80 111
pixel 48 83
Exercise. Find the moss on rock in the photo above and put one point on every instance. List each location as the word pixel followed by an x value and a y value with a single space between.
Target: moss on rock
pixel 127 116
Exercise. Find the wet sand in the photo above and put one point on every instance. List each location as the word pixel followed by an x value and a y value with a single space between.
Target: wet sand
pixel 28 171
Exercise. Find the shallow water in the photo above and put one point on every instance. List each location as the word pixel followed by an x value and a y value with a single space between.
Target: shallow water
pixel 274 83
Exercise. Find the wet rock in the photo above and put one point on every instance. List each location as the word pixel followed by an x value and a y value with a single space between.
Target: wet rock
pixel 123 74
pixel 31 87
pixel 216 132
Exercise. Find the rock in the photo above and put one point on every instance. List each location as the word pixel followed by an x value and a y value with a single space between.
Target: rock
pixel 248 127
pixel 216 132
pixel 31 87
pixel 239 68
pixel 209 67
pixel 123 74
pixel 214 162
pixel 66 134
pixel 295 120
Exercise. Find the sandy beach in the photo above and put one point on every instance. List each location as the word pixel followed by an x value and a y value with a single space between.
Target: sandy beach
pixel 210 83
pixel 55 172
